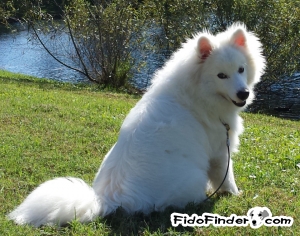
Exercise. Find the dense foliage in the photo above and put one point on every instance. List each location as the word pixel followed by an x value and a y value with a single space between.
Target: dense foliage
pixel 102 35
pixel 105 33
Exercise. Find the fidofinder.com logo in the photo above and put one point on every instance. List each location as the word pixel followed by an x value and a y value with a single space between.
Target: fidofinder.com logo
pixel 256 217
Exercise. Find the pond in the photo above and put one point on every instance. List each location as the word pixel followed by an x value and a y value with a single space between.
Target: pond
pixel 281 99
pixel 17 54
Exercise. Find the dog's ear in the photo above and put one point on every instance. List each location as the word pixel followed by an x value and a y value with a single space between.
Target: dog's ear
pixel 250 213
pixel 204 47
pixel 239 38
pixel 265 214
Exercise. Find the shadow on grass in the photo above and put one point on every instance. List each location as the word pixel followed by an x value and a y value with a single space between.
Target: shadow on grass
pixel 121 223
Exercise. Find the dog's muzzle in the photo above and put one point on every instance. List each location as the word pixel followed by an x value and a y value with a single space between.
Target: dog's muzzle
pixel 242 95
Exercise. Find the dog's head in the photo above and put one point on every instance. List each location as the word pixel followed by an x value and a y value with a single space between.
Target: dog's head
pixel 257 216
pixel 232 64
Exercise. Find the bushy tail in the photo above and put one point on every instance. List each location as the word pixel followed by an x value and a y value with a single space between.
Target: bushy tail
pixel 58 201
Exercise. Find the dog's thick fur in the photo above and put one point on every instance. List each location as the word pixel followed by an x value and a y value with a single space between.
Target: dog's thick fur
pixel 172 143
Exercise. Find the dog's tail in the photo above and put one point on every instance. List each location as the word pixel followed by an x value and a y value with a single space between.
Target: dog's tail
pixel 58 201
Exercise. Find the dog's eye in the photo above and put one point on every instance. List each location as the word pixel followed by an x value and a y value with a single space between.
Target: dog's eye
pixel 222 76
pixel 259 214
pixel 241 70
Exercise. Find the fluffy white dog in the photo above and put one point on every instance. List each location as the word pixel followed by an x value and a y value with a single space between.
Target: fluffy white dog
pixel 172 143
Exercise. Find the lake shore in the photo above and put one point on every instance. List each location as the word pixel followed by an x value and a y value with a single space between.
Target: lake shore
pixel 280 98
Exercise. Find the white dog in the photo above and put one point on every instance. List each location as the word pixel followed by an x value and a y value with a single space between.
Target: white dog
pixel 173 141
pixel 257 216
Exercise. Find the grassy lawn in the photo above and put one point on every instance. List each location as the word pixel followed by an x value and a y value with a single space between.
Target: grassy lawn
pixel 50 129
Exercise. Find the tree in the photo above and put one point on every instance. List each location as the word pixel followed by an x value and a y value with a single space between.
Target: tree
pixel 7 9
pixel 17 10
pixel 103 35
pixel 177 19
pixel 277 23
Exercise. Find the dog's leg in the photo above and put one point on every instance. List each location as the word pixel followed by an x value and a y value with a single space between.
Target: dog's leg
pixel 216 175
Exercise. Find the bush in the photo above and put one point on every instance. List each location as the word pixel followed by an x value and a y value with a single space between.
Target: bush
pixel 102 35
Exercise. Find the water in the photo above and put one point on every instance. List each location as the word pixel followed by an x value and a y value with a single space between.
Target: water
pixel 282 99
pixel 18 55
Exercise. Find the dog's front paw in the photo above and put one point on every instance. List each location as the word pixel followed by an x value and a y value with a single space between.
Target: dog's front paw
pixel 233 191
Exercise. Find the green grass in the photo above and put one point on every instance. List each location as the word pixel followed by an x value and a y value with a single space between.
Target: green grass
pixel 50 129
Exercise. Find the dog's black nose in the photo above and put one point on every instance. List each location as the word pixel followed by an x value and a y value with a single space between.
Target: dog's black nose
pixel 254 222
pixel 243 94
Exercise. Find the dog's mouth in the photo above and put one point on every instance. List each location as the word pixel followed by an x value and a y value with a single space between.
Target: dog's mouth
pixel 239 104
